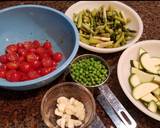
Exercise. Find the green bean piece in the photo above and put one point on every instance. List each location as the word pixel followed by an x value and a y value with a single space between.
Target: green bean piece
pixel 130 30
pixel 94 41
pixel 94 12
pixel 75 17
pixel 119 40
pixel 85 26
pixel 84 40
pixel 85 36
pixel 80 20
pixel 108 29
pixel 120 19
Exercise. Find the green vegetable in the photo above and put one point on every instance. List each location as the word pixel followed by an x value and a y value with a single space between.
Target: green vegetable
pixel 89 71
pixel 105 22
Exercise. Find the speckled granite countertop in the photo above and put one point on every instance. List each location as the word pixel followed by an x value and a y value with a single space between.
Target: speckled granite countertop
pixel 22 109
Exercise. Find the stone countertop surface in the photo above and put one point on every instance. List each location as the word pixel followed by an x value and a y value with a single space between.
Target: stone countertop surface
pixel 22 109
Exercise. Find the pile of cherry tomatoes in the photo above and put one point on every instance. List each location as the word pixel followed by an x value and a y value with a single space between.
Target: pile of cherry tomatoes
pixel 28 60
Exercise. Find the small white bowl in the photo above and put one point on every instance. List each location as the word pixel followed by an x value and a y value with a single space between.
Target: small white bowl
pixel 136 22
pixel 123 70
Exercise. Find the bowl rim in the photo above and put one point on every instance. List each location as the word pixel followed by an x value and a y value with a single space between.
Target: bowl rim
pixel 110 50
pixel 127 93
pixel 74 84
pixel 63 66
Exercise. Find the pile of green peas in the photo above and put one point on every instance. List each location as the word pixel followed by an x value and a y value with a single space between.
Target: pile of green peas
pixel 89 71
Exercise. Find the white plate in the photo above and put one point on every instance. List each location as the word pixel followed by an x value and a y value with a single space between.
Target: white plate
pixel 136 22
pixel 123 70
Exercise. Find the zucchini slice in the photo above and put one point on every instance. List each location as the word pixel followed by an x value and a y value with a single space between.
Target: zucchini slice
pixel 150 64
pixel 143 76
pixel 149 97
pixel 141 51
pixel 158 104
pixel 156 92
pixel 156 79
pixel 143 89
pixel 152 106
pixel 134 80
pixel 136 64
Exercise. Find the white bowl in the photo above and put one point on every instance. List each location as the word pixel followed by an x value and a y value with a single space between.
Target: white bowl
pixel 136 22
pixel 123 70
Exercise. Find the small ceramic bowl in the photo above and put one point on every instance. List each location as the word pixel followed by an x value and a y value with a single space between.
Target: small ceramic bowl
pixel 135 24
pixel 123 70
pixel 67 89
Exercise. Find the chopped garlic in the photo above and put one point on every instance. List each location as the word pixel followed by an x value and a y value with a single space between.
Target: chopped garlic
pixel 68 107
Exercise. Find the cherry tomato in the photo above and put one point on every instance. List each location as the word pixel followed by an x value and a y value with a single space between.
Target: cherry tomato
pixel 36 44
pixel 3 66
pixel 40 51
pixel 47 62
pixel 21 58
pixel 24 77
pixel 36 64
pixel 12 56
pixel 32 50
pixel 30 57
pixel 22 51
pixel 3 59
pixel 24 67
pixel 27 44
pixel 2 73
pixel 13 76
pixel 33 74
pixel 45 55
pixel 20 45
pixel 57 56
pixel 39 71
pixel 47 45
pixel 11 48
pixel 54 63
pixel 47 70
pixel 49 52
pixel 12 65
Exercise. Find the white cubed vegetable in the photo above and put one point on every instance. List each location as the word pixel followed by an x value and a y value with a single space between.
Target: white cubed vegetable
pixel 61 107
pixel 72 100
pixel 80 115
pixel 77 123
pixel 61 122
pixel 66 117
pixel 58 113
pixel 70 123
pixel 62 100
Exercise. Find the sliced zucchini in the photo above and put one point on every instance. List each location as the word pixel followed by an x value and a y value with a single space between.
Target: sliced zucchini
pixel 145 104
pixel 156 92
pixel 143 89
pixel 143 76
pixel 158 104
pixel 156 79
pixel 141 51
pixel 152 106
pixel 134 80
pixel 136 64
pixel 149 97
pixel 149 63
